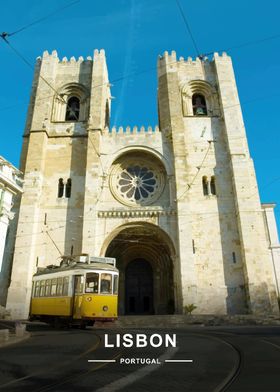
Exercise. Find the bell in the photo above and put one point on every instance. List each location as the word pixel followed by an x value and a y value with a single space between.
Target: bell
pixel 200 111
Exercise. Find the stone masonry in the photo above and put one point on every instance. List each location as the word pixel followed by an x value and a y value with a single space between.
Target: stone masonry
pixel 10 186
pixel 177 205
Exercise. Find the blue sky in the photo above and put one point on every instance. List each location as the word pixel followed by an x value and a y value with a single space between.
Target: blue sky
pixel 133 33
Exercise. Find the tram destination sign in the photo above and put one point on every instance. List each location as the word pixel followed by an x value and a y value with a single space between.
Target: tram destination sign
pixel 105 260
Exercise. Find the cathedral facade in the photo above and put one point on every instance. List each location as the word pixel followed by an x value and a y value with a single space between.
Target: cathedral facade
pixel 177 205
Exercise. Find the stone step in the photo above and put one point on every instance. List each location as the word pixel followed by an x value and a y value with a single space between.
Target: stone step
pixel 169 321
pixel 4 335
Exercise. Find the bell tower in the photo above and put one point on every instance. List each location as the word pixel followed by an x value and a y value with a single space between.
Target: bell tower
pixel 225 262
pixel 69 109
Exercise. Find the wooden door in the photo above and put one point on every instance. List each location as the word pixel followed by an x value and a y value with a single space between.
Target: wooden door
pixel 139 287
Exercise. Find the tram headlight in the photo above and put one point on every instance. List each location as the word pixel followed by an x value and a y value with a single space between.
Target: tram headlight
pixel 105 308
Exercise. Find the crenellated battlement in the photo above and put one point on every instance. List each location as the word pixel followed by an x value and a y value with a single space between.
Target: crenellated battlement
pixel 53 56
pixel 171 58
pixel 134 130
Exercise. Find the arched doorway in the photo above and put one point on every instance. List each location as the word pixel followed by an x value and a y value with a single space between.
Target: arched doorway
pixel 139 287
pixel 144 255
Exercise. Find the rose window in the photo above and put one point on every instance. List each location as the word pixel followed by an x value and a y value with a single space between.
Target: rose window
pixel 134 184
pixel 137 182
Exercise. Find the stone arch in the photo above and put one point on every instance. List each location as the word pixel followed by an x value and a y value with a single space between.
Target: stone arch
pixel 188 89
pixel 65 93
pixel 149 226
pixel 138 178
pixel 144 149
pixel 145 243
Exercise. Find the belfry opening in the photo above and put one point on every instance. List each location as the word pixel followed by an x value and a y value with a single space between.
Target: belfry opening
pixel 144 259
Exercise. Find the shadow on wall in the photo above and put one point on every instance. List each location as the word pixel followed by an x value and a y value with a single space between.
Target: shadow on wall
pixel 236 300
pixel 75 206
pixel 8 256
pixel 265 296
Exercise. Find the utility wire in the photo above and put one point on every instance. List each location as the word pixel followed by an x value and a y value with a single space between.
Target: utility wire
pixel 202 55
pixel 188 27
pixel 119 79
pixel 5 34
pixel 130 75
pixel 102 168
pixel 198 170
pixel 248 43
pixel 54 243
pixel 30 65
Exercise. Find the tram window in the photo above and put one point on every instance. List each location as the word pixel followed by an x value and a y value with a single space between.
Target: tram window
pixel 59 286
pixel 116 280
pixel 48 288
pixel 42 288
pixel 53 287
pixel 37 288
pixel 65 285
pixel 79 284
pixel 106 284
pixel 92 282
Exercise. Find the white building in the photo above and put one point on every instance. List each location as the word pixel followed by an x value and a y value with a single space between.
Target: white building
pixel 10 185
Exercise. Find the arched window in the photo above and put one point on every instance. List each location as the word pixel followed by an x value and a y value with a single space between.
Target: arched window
pixel 205 185
pixel 68 188
pixel 107 115
pixel 60 188
pixel 199 105
pixel 213 186
pixel 73 109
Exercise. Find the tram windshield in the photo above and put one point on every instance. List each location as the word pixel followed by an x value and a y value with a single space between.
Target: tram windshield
pixel 116 280
pixel 106 284
pixel 92 282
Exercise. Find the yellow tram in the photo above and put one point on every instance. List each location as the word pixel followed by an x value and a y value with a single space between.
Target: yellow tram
pixel 80 291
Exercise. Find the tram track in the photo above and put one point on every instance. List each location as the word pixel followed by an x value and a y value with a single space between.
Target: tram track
pixel 228 351
pixel 225 384
pixel 75 377
pixel 54 368
pixel 271 343
pixel 233 374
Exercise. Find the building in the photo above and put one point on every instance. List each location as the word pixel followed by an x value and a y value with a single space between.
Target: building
pixel 10 186
pixel 177 205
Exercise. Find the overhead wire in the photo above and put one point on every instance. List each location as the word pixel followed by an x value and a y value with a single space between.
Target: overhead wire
pixel 31 66
pixel 6 34
pixel 188 27
pixel 244 44
pixel 102 168
pixel 121 78
pixel 203 55
pixel 197 50
pixel 129 238
pixel 54 242
pixel 175 217
pixel 198 170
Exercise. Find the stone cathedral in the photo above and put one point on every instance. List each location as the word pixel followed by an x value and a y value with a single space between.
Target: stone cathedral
pixel 177 205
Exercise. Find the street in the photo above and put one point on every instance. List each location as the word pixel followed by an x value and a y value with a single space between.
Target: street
pixel 233 359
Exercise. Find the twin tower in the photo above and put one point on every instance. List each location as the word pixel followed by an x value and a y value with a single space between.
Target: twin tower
pixel 177 205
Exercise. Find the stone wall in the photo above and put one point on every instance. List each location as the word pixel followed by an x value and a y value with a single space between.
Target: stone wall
pixel 215 244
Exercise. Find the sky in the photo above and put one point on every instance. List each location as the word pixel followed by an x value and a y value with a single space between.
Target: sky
pixel 134 33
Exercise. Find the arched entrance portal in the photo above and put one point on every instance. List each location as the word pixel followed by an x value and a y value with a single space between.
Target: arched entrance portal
pixel 144 255
pixel 139 287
